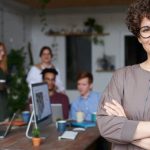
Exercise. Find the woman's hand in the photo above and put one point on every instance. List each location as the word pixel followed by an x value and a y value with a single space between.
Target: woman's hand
pixel 143 143
pixel 114 109
pixel 141 136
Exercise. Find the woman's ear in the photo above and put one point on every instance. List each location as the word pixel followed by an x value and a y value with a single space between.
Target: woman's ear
pixel 139 39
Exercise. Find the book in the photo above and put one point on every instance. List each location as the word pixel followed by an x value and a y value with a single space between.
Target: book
pixel 68 135
pixel 84 124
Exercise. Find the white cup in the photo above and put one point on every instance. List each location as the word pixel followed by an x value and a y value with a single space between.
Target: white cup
pixel 2 81
pixel 80 116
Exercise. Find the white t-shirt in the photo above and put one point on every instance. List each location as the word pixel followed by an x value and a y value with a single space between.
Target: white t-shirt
pixel 35 76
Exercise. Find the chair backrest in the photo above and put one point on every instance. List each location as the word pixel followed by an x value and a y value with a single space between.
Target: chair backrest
pixel 7 127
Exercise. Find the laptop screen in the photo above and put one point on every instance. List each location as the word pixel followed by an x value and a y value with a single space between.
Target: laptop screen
pixel 41 100
pixel 57 112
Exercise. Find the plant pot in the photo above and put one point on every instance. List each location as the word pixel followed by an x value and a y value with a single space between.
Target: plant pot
pixel 36 141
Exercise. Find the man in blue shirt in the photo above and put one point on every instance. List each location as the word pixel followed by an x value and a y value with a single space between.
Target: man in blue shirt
pixel 88 100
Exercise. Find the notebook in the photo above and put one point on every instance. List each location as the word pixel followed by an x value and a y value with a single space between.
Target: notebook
pixel 57 112
pixel 84 124
pixel 5 127
pixel 68 135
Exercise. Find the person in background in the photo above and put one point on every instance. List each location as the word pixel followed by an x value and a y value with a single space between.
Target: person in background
pixel 49 76
pixel 3 78
pixel 124 114
pixel 34 75
pixel 88 100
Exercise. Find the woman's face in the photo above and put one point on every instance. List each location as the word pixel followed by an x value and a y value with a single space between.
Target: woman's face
pixel 145 41
pixel 46 56
pixel 2 52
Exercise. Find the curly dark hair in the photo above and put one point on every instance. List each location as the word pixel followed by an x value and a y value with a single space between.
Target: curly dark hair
pixel 49 70
pixel 136 12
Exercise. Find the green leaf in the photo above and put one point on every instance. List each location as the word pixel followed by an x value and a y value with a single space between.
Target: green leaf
pixel 17 85
pixel 36 132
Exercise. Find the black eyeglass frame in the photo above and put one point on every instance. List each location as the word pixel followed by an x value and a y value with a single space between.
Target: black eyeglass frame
pixel 141 34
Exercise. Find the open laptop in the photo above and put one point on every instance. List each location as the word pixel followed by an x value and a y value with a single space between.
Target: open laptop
pixel 5 127
pixel 57 112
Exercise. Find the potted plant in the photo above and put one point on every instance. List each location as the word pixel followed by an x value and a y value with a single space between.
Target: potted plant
pixel 36 140
pixel 17 86
pixel 90 22
pixel 92 26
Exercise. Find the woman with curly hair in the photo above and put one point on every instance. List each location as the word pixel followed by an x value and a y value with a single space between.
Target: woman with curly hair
pixel 3 75
pixel 123 116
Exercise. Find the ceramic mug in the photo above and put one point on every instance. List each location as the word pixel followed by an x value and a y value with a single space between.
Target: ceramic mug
pixel 93 117
pixel 61 125
pixel 26 116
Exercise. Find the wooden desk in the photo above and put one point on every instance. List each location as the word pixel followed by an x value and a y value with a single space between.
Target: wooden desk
pixel 16 140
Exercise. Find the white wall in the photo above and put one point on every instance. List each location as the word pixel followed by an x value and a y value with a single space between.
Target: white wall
pixel 14 26
pixel 17 28
pixel 113 24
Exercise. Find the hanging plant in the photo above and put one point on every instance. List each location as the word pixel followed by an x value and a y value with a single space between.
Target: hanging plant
pixel 43 18
pixel 97 41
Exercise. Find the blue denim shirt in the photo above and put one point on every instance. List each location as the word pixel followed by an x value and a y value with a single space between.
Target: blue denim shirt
pixel 87 105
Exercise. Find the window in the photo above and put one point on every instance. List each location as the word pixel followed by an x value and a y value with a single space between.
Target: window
pixel 78 58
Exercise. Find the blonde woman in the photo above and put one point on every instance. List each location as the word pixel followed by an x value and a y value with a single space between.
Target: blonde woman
pixel 3 75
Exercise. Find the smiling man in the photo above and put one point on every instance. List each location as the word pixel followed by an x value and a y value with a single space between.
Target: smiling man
pixel 88 100
pixel 49 76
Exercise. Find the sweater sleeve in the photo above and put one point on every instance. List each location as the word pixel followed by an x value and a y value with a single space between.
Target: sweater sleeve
pixel 113 128
pixel 59 82
pixel 34 75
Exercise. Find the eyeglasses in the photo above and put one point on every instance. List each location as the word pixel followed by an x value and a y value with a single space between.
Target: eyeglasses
pixel 145 32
